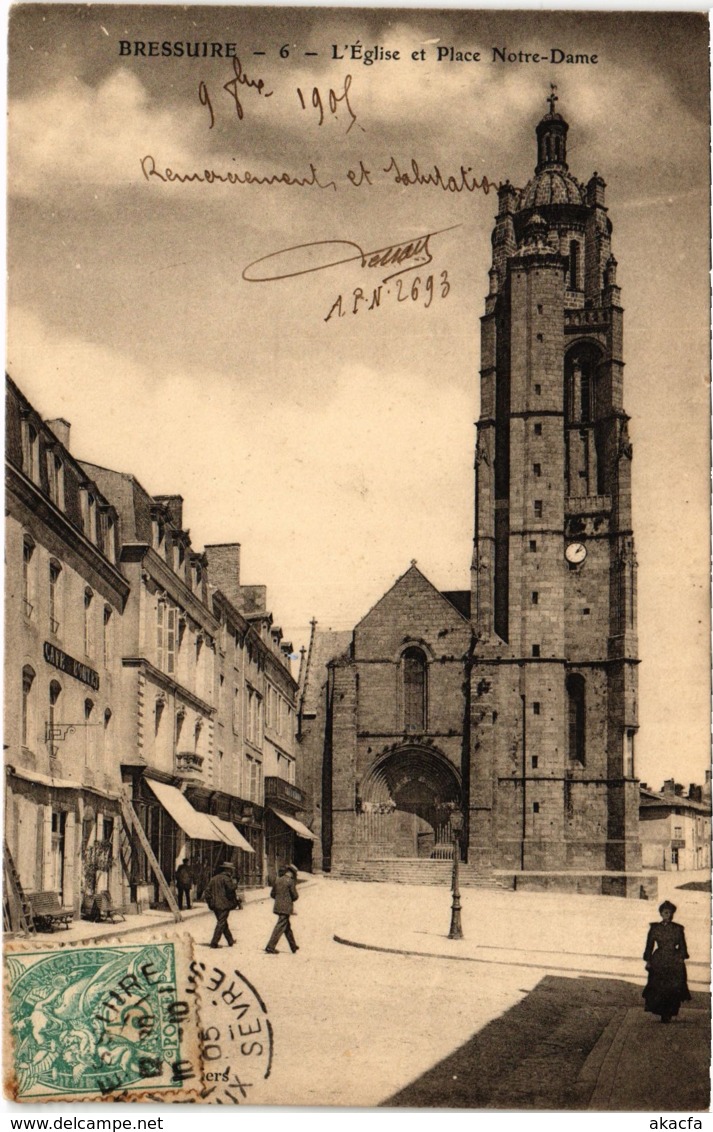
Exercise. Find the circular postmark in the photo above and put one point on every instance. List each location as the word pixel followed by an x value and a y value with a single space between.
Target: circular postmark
pixel 235 1034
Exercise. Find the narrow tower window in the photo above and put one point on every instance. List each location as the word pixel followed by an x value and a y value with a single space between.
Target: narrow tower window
pixel 577 717
pixel 414 677
pixel 573 265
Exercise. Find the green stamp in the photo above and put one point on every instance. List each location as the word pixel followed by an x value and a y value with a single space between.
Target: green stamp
pixel 97 1021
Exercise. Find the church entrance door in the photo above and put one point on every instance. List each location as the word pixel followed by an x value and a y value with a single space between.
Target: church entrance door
pixel 405 805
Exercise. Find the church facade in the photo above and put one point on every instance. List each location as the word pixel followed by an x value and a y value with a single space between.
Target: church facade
pixel 502 720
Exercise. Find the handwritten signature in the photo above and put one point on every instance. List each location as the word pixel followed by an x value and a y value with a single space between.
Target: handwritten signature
pixel 303 259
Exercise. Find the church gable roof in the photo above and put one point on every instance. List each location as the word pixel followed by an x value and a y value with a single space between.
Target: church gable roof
pixel 411 609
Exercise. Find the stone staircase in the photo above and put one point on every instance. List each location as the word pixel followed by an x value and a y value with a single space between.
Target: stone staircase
pixel 415 870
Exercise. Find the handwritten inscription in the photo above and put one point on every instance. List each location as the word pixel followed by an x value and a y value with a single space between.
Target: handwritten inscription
pixel 232 87
pixel 327 105
pixel 303 259
pixel 421 290
pixel 409 175
pixel 231 176
pixel 334 101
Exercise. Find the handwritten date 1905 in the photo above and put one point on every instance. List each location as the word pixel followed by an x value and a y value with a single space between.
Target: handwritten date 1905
pixel 333 102
pixel 420 291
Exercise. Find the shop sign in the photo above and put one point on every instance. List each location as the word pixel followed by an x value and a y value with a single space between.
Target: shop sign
pixel 72 667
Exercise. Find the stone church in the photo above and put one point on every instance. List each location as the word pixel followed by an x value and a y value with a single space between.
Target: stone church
pixel 502 721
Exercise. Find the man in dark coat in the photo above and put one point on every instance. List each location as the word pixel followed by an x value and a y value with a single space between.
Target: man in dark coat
pixel 284 893
pixel 221 896
pixel 184 880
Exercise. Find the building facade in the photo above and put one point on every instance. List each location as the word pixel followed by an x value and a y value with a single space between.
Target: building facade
pixel 513 708
pixel 675 826
pixel 65 600
pixel 149 697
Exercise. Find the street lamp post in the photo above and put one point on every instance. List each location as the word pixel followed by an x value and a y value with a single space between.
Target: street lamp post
pixel 456 931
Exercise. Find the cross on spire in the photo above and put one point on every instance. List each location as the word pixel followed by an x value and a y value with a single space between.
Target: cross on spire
pixel 553 97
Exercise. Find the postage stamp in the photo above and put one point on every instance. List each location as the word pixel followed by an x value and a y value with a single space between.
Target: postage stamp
pixel 101 1022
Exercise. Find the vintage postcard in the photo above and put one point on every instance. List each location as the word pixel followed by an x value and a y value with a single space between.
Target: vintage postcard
pixel 357 558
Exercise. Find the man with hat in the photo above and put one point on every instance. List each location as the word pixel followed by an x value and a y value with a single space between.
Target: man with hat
pixel 284 893
pixel 221 896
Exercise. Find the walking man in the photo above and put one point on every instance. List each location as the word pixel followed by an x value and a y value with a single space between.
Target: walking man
pixel 184 880
pixel 221 896
pixel 284 893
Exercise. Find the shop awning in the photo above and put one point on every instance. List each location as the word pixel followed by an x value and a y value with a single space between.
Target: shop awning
pixel 300 829
pixel 196 825
pixel 230 834
pixel 57 783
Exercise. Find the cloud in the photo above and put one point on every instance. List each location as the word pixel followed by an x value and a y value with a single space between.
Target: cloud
pixel 76 136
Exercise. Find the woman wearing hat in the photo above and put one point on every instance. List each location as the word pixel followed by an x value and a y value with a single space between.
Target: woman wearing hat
pixel 665 956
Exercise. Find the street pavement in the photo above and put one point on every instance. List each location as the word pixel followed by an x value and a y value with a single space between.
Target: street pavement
pixel 537 1007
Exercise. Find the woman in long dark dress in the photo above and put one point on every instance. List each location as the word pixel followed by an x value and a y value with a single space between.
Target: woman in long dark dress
pixel 665 957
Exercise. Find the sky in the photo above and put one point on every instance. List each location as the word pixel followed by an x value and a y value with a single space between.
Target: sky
pixel 335 446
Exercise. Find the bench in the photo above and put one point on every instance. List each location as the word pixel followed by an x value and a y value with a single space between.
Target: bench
pixel 104 910
pixel 47 912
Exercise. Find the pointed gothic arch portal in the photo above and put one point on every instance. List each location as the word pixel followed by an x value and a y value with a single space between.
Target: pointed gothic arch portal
pixel 405 803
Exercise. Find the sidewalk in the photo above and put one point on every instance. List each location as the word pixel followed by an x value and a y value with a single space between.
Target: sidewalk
pixel 152 920
pixel 552 932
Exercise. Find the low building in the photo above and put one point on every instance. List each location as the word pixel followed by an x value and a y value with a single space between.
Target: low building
pixel 675 826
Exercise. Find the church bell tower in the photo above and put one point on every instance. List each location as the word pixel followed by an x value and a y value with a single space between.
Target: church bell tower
pixel 553 701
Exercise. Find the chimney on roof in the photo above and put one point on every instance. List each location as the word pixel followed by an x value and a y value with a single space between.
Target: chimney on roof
pixel 174 506
pixel 60 427
pixel 224 570
pixel 668 787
